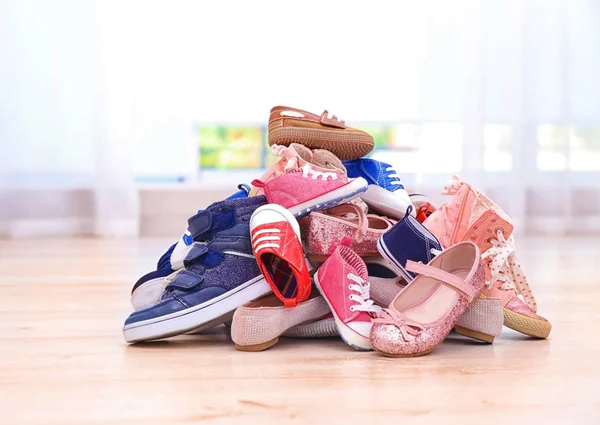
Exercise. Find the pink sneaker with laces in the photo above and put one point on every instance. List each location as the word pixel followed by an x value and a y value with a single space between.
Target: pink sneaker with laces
pixel 305 189
pixel 343 282
pixel 297 155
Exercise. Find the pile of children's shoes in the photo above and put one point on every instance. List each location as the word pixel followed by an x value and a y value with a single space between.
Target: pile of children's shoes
pixel 329 243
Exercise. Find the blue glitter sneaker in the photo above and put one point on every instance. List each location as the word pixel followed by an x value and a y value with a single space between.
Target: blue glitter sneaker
pixel 385 193
pixel 148 289
pixel 220 275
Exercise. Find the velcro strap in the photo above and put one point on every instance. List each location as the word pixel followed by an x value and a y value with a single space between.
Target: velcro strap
pixel 197 251
pixel 186 280
pixel 200 223
pixel 448 279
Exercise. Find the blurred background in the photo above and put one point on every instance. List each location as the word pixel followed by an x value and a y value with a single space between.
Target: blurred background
pixel 122 118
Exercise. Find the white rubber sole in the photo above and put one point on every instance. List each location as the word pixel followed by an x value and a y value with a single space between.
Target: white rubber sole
pixel 193 318
pixel 385 253
pixel 349 336
pixel 391 204
pixel 343 194
pixel 148 293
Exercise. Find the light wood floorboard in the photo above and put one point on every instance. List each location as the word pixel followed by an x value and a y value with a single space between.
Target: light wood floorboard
pixel 63 359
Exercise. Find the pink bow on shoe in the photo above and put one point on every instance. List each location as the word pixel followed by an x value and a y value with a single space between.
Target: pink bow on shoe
pixel 408 328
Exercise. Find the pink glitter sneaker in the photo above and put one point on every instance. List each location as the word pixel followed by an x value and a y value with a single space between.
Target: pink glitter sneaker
pixel 303 190
pixel 422 314
pixel 473 216
pixel 343 282
pixel 297 155
pixel 327 228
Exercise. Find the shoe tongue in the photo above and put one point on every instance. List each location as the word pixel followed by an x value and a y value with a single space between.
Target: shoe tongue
pixel 303 152
pixel 242 207
pixel 325 159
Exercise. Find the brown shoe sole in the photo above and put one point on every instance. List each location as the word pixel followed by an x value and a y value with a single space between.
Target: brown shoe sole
pixel 345 146
pixel 526 325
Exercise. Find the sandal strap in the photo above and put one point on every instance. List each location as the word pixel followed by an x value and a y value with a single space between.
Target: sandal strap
pixel 452 281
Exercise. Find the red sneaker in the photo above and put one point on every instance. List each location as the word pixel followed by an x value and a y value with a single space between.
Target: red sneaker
pixel 278 250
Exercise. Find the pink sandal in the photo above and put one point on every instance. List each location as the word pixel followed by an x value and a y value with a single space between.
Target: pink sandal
pixel 424 312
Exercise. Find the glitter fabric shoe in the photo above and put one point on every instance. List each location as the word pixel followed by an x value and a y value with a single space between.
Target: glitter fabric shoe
pixel 385 194
pixel 258 325
pixel 278 250
pixel 326 229
pixel 326 131
pixel 343 282
pixel 220 275
pixel 148 289
pixel 409 240
pixel 421 315
pixel 303 190
pixel 297 156
pixel 473 216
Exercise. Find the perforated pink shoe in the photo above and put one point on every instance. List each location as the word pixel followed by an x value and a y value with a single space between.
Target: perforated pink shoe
pixel 471 215
pixel 303 190
pixel 422 314
pixel 343 282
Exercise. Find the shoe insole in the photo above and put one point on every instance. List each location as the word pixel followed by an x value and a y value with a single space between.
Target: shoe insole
pixel 434 300
pixel 281 273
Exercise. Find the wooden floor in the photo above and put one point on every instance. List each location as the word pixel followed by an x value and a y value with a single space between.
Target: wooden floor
pixel 63 359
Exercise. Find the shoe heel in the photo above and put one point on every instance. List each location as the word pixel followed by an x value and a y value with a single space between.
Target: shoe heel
pixel 257 347
pixel 474 334
pixel 483 321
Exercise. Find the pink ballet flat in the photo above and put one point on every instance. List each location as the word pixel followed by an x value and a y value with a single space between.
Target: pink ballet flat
pixel 424 312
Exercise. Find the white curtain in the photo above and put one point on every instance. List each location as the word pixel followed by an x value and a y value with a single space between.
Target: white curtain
pixel 94 93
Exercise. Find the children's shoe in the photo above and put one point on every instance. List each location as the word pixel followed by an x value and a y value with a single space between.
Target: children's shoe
pixel 409 240
pixel 473 216
pixel 421 315
pixel 259 324
pixel 385 194
pixel 148 289
pixel 278 250
pixel 424 206
pixel 288 125
pixel 326 229
pixel 320 328
pixel 220 275
pixel 297 156
pixel 343 282
pixel 303 190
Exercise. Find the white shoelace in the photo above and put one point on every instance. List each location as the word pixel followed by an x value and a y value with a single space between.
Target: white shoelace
pixel 363 300
pixel 500 252
pixel 267 241
pixel 393 175
pixel 435 252
pixel 307 171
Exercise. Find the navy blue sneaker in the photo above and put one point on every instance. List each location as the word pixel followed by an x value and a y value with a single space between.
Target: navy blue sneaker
pixel 385 193
pixel 408 240
pixel 220 275
pixel 148 289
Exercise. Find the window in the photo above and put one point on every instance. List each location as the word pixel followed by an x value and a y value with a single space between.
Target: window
pixel 584 146
pixel 551 154
pixel 497 139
